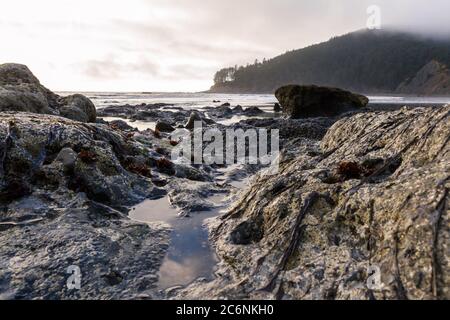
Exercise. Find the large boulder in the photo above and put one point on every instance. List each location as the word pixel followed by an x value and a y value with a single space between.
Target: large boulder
pixel 78 107
pixel 163 126
pixel 253 111
pixel 277 108
pixel 20 90
pixel 361 215
pixel 197 117
pixel 313 101
pixel 194 117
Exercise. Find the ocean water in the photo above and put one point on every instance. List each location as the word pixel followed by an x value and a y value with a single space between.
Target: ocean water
pixel 201 100
pixel 408 100
pixel 184 100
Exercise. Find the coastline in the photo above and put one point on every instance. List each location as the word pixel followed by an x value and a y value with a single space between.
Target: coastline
pixel 103 196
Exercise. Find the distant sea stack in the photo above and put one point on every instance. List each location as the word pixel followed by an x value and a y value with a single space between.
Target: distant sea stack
pixel 372 62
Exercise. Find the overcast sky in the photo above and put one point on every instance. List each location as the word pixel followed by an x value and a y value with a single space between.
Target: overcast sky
pixel 177 45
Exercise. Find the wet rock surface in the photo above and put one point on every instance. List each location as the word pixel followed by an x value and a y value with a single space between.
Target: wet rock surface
pixel 74 231
pixel 370 198
pixel 147 112
pixel 354 191
pixel 171 116
pixel 67 186
pixel 65 190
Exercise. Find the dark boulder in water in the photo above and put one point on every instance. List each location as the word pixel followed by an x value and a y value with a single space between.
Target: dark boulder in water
pixel 120 125
pixel 253 111
pixel 163 126
pixel 238 109
pixel 277 108
pixel 197 117
pixel 223 111
pixel 313 101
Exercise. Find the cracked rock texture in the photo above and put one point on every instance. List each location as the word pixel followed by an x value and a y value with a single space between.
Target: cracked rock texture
pixel 371 199
pixel 64 191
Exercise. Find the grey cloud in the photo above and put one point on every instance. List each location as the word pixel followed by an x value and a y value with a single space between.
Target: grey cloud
pixel 236 32
pixel 191 39
pixel 148 31
pixel 109 68
pixel 186 71
pixel 267 28
pixel 100 69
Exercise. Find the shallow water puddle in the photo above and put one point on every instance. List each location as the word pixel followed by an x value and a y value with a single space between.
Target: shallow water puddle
pixel 189 256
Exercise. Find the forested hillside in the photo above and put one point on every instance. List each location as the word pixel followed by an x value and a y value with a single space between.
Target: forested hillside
pixel 364 61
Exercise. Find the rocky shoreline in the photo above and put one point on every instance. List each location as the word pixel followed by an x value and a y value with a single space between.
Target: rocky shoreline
pixel 357 188
pixel 372 192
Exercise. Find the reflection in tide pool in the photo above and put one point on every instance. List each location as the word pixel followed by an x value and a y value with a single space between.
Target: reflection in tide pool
pixel 189 256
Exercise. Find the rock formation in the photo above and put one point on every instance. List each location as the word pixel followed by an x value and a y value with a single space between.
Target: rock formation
pixel 313 101
pixel 277 108
pixel 62 184
pixel 20 90
pixel 163 126
pixel 363 214
pixel 357 210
